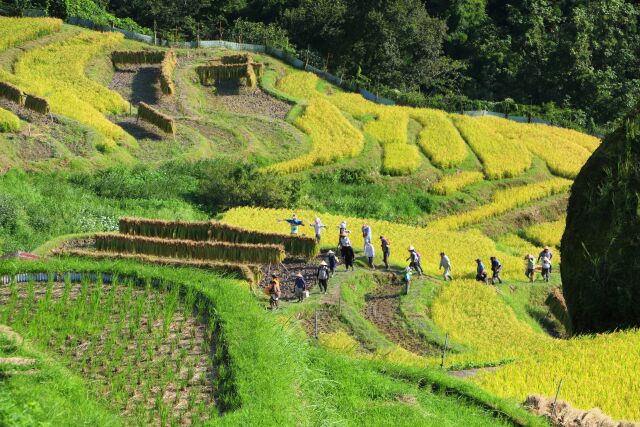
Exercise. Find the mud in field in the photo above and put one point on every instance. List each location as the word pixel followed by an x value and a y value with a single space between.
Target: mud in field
pixel 141 360
pixel 287 272
pixel 383 310
pixel 231 97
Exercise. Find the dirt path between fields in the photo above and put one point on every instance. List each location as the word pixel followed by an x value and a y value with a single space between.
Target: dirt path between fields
pixel 383 310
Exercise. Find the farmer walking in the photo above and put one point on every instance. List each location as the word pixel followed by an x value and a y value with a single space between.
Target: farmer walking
pixel 546 268
pixel 274 292
pixel 481 273
pixel 317 227
pixel 445 263
pixel 347 251
pixel 333 262
pixel 370 253
pixel 366 233
pixel 294 223
pixel 406 278
pixel 300 287
pixel 496 269
pixel 323 277
pixel 343 228
pixel 530 268
pixel 386 252
pixel 414 260
pixel 546 252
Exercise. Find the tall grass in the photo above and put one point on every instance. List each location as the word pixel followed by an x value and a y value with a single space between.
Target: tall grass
pixel 9 122
pixel 439 138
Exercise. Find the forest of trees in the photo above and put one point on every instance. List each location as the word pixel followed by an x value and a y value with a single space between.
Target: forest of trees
pixel 582 55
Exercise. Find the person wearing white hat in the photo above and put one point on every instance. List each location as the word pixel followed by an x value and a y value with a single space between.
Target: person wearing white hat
pixel 323 277
pixel 370 253
pixel 414 260
pixel 317 227
pixel 333 262
pixel 530 269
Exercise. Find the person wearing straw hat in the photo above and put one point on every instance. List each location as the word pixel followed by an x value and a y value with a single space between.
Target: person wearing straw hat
pixel 530 268
pixel 317 227
pixel 332 259
pixel 323 277
pixel 299 287
pixel 546 252
pixel 414 260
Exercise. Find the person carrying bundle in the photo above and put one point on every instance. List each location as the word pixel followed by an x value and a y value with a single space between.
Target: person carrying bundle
pixel 295 224
pixel 546 252
pixel 323 277
pixel 386 251
pixel 347 251
pixel 274 291
pixel 496 269
pixel 414 260
pixel 546 268
pixel 530 268
pixel 332 261
pixel 445 263
pixel 481 273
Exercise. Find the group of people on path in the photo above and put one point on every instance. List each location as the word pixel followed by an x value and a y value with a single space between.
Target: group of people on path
pixel 327 267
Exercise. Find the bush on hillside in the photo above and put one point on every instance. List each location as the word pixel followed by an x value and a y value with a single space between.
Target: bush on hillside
pixel 600 245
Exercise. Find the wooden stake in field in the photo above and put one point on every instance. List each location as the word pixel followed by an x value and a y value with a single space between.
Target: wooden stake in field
pixel 555 400
pixel 444 350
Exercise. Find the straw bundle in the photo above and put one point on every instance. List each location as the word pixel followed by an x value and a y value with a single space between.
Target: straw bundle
pixel 37 104
pixel 11 92
pixel 137 57
pixel 156 118
pixel 166 73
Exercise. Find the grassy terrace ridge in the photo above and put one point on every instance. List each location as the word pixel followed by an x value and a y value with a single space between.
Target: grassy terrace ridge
pixel 256 347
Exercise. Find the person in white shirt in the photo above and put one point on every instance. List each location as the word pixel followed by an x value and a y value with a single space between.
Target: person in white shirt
pixel 445 263
pixel 370 253
pixel 318 226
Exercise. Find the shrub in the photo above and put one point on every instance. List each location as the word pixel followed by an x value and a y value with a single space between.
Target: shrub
pixel 37 104
pixel 151 115
pixel 600 244
pixel 9 122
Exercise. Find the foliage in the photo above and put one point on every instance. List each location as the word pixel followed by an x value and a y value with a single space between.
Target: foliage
pixel 95 12
pixel 244 31
pixel 400 159
pixel 474 315
pixel 500 157
pixel 224 184
pixel 439 138
pixel 451 183
pixel 502 201
pixel 599 244
pixel 14 31
pixel 9 122
pixel 37 207
pixel 57 72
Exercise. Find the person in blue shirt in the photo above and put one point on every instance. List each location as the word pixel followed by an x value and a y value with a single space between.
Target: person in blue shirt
pixel 496 269
pixel 295 224
pixel 300 286
pixel 481 273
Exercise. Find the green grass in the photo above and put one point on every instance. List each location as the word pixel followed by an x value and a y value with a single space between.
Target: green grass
pixel 316 387
pixel 51 396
